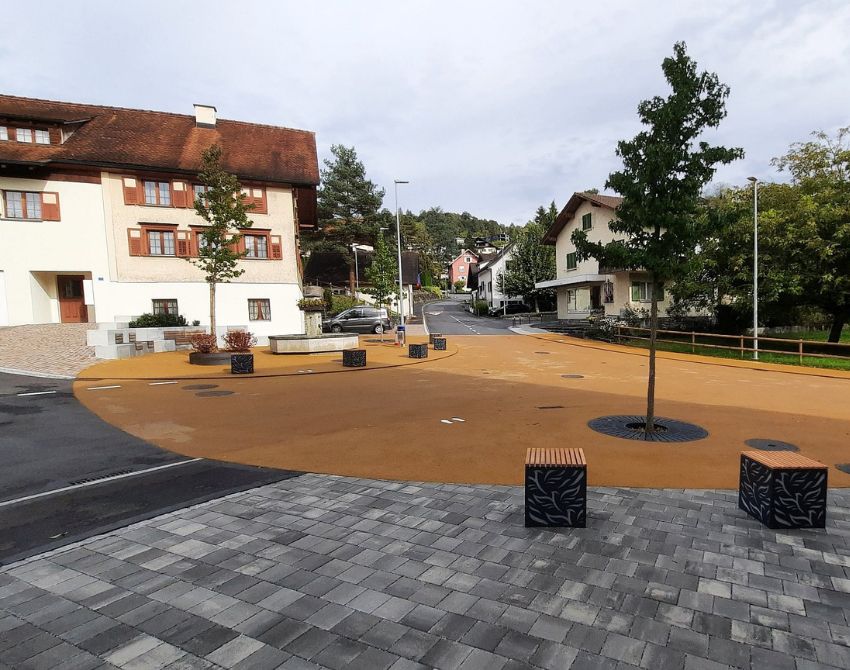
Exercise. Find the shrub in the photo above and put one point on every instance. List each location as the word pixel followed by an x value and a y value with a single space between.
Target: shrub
pixel 158 321
pixel 239 340
pixel 328 298
pixel 204 343
pixel 311 304
pixel 436 291
pixel 340 303
pixel 459 285
pixel 480 307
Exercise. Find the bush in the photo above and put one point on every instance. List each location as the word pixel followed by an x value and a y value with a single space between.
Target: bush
pixel 436 291
pixel 204 343
pixel 328 298
pixel 340 303
pixel 480 307
pixel 158 321
pixel 459 285
pixel 239 340
pixel 311 304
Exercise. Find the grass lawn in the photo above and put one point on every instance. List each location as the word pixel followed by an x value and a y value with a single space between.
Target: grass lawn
pixel 787 359
pixel 819 335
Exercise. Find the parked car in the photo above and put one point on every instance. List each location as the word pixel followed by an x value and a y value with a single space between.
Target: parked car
pixel 512 308
pixel 362 319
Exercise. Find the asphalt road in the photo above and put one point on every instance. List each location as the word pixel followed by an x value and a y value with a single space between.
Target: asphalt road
pixel 450 317
pixel 68 475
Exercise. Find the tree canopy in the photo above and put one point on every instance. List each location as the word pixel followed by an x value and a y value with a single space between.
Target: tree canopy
pixel 531 260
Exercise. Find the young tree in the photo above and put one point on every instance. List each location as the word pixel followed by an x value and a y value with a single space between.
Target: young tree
pixel 665 168
pixel 382 274
pixel 531 260
pixel 348 204
pixel 223 208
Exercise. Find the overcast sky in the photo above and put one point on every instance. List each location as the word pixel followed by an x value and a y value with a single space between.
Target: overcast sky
pixel 487 107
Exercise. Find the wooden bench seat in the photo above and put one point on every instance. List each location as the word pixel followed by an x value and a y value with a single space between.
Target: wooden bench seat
pixel 783 489
pixel 555 487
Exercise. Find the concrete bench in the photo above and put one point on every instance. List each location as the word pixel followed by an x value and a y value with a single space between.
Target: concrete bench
pixel 783 489
pixel 555 488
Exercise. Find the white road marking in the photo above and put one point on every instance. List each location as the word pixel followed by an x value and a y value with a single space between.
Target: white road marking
pixel 160 383
pixel 102 388
pixel 21 395
pixel 97 481
pixel 457 418
pixel 445 421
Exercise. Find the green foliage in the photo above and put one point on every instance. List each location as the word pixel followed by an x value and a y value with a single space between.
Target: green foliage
pixel 158 321
pixel 311 304
pixel 531 260
pixel 480 307
pixel 382 274
pixel 436 291
pixel 328 298
pixel 459 285
pixel 341 303
pixel 665 168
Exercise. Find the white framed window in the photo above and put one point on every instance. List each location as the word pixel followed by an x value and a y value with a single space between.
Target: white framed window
pixel 4 133
pixel 259 309
pixel 22 205
pixel 23 134
pixel 157 193
pixel 161 243
pixel 466 260
pixel 461 268
pixel 642 291
pixel 41 136
pixel 256 246
pixel 164 306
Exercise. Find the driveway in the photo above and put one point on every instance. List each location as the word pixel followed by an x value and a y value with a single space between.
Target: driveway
pixel 46 348
pixel 67 474
pixel 450 317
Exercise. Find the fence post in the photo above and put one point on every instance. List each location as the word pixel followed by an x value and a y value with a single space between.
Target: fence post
pixel 693 342
pixel 742 346
pixel 801 351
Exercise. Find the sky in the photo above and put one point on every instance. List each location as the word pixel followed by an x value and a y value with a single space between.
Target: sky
pixel 493 107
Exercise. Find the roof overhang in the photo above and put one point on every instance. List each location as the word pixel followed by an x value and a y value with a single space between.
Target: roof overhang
pixel 575 281
pixel 569 210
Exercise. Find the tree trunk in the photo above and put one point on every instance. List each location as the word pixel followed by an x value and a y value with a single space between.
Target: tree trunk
pixel 838 321
pixel 352 281
pixel 650 387
pixel 212 310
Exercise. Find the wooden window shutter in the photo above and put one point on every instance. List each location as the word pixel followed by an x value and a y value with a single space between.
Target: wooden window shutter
pixel 50 206
pixel 258 197
pixel 179 194
pixel 134 237
pixel 131 190
pixel 184 244
pixel 275 248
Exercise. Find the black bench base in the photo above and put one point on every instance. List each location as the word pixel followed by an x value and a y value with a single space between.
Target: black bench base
pixel 783 498
pixel 439 344
pixel 417 351
pixel 556 496
pixel 242 364
pixel 354 358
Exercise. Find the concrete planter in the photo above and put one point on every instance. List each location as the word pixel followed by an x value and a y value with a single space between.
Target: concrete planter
pixel 302 344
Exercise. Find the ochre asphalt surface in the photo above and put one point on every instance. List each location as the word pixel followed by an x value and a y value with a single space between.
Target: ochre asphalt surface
pixel 510 392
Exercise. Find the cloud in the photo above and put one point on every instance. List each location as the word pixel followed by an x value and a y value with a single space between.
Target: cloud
pixel 489 107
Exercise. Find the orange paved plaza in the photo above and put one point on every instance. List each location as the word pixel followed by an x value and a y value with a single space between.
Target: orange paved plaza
pixel 389 419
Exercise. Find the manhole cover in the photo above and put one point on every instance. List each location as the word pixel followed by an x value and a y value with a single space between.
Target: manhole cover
pixel 213 394
pixel 630 427
pixel 573 376
pixel 199 387
pixel 844 467
pixel 771 445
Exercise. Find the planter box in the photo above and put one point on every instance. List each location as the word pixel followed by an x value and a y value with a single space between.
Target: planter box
pixel 783 489
pixel 439 343
pixel 242 364
pixel 354 358
pixel 417 351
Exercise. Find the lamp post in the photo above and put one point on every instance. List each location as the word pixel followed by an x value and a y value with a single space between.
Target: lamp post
pixel 356 271
pixel 755 182
pixel 396 182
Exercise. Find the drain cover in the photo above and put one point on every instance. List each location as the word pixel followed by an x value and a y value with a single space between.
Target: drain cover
pixel 199 387
pixel 212 394
pixel 771 445
pixel 630 427
pixel 844 467
pixel 573 376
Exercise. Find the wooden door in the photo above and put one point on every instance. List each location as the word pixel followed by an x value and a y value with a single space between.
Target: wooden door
pixel 72 302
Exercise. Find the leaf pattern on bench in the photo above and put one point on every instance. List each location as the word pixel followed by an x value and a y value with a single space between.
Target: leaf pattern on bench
pixel 555 496
pixel 754 490
pixel 799 499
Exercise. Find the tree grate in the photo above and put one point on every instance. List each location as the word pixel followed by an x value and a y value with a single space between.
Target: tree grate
pixel 199 387
pixel 630 427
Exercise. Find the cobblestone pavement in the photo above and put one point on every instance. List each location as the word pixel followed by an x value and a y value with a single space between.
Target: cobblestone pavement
pixel 352 573
pixel 47 348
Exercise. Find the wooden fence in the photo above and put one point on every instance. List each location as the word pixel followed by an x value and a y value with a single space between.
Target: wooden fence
pixel 739 343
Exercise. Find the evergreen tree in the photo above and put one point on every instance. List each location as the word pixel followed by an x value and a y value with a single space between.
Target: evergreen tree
pixel 665 168
pixel 223 207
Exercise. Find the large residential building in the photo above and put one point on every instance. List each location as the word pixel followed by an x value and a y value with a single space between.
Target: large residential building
pixel 98 217
pixel 488 279
pixel 583 287
pixel 459 267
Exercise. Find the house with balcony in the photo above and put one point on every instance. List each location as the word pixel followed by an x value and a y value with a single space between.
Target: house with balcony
pixel 583 287
pixel 98 223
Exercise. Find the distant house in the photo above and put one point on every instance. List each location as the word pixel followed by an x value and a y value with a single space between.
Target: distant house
pixel 459 267
pixel 583 287
pixel 488 279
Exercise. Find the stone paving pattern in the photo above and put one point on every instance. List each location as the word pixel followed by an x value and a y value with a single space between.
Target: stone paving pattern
pixel 322 571
pixel 48 348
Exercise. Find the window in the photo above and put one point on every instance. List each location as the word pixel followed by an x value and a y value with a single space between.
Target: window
pixel 4 133
pixel 21 205
pixel 571 261
pixel 259 309
pixel 161 242
pixel 642 292
pixel 466 259
pixel 164 306
pixel 198 190
pixel 23 134
pixel 41 136
pixel 587 221
pixel 460 268
pixel 257 246
pixel 157 193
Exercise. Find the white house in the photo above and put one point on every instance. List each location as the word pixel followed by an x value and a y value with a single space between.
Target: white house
pixel 97 217
pixel 583 287
pixel 488 279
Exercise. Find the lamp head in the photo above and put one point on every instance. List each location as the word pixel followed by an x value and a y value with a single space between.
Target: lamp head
pixel 753 179
pixel 400 181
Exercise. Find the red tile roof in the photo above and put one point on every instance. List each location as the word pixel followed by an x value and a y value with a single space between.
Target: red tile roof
pixel 610 201
pixel 140 139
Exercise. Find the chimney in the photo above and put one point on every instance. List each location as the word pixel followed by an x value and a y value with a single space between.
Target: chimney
pixel 204 116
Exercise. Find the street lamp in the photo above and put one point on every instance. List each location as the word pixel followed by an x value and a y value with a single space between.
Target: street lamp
pixel 396 182
pixel 356 271
pixel 755 182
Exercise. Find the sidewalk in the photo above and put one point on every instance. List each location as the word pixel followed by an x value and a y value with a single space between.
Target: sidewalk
pixel 49 349
pixel 321 571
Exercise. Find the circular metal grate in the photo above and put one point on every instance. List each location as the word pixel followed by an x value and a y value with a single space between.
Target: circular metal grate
pixel 199 387
pixel 212 394
pixel 630 427
pixel 771 445
pixel 844 467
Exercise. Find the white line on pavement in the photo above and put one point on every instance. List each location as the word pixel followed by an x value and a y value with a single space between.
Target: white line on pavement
pixel 160 383
pixel 96 481
pixel 21 395
pixel 101 388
